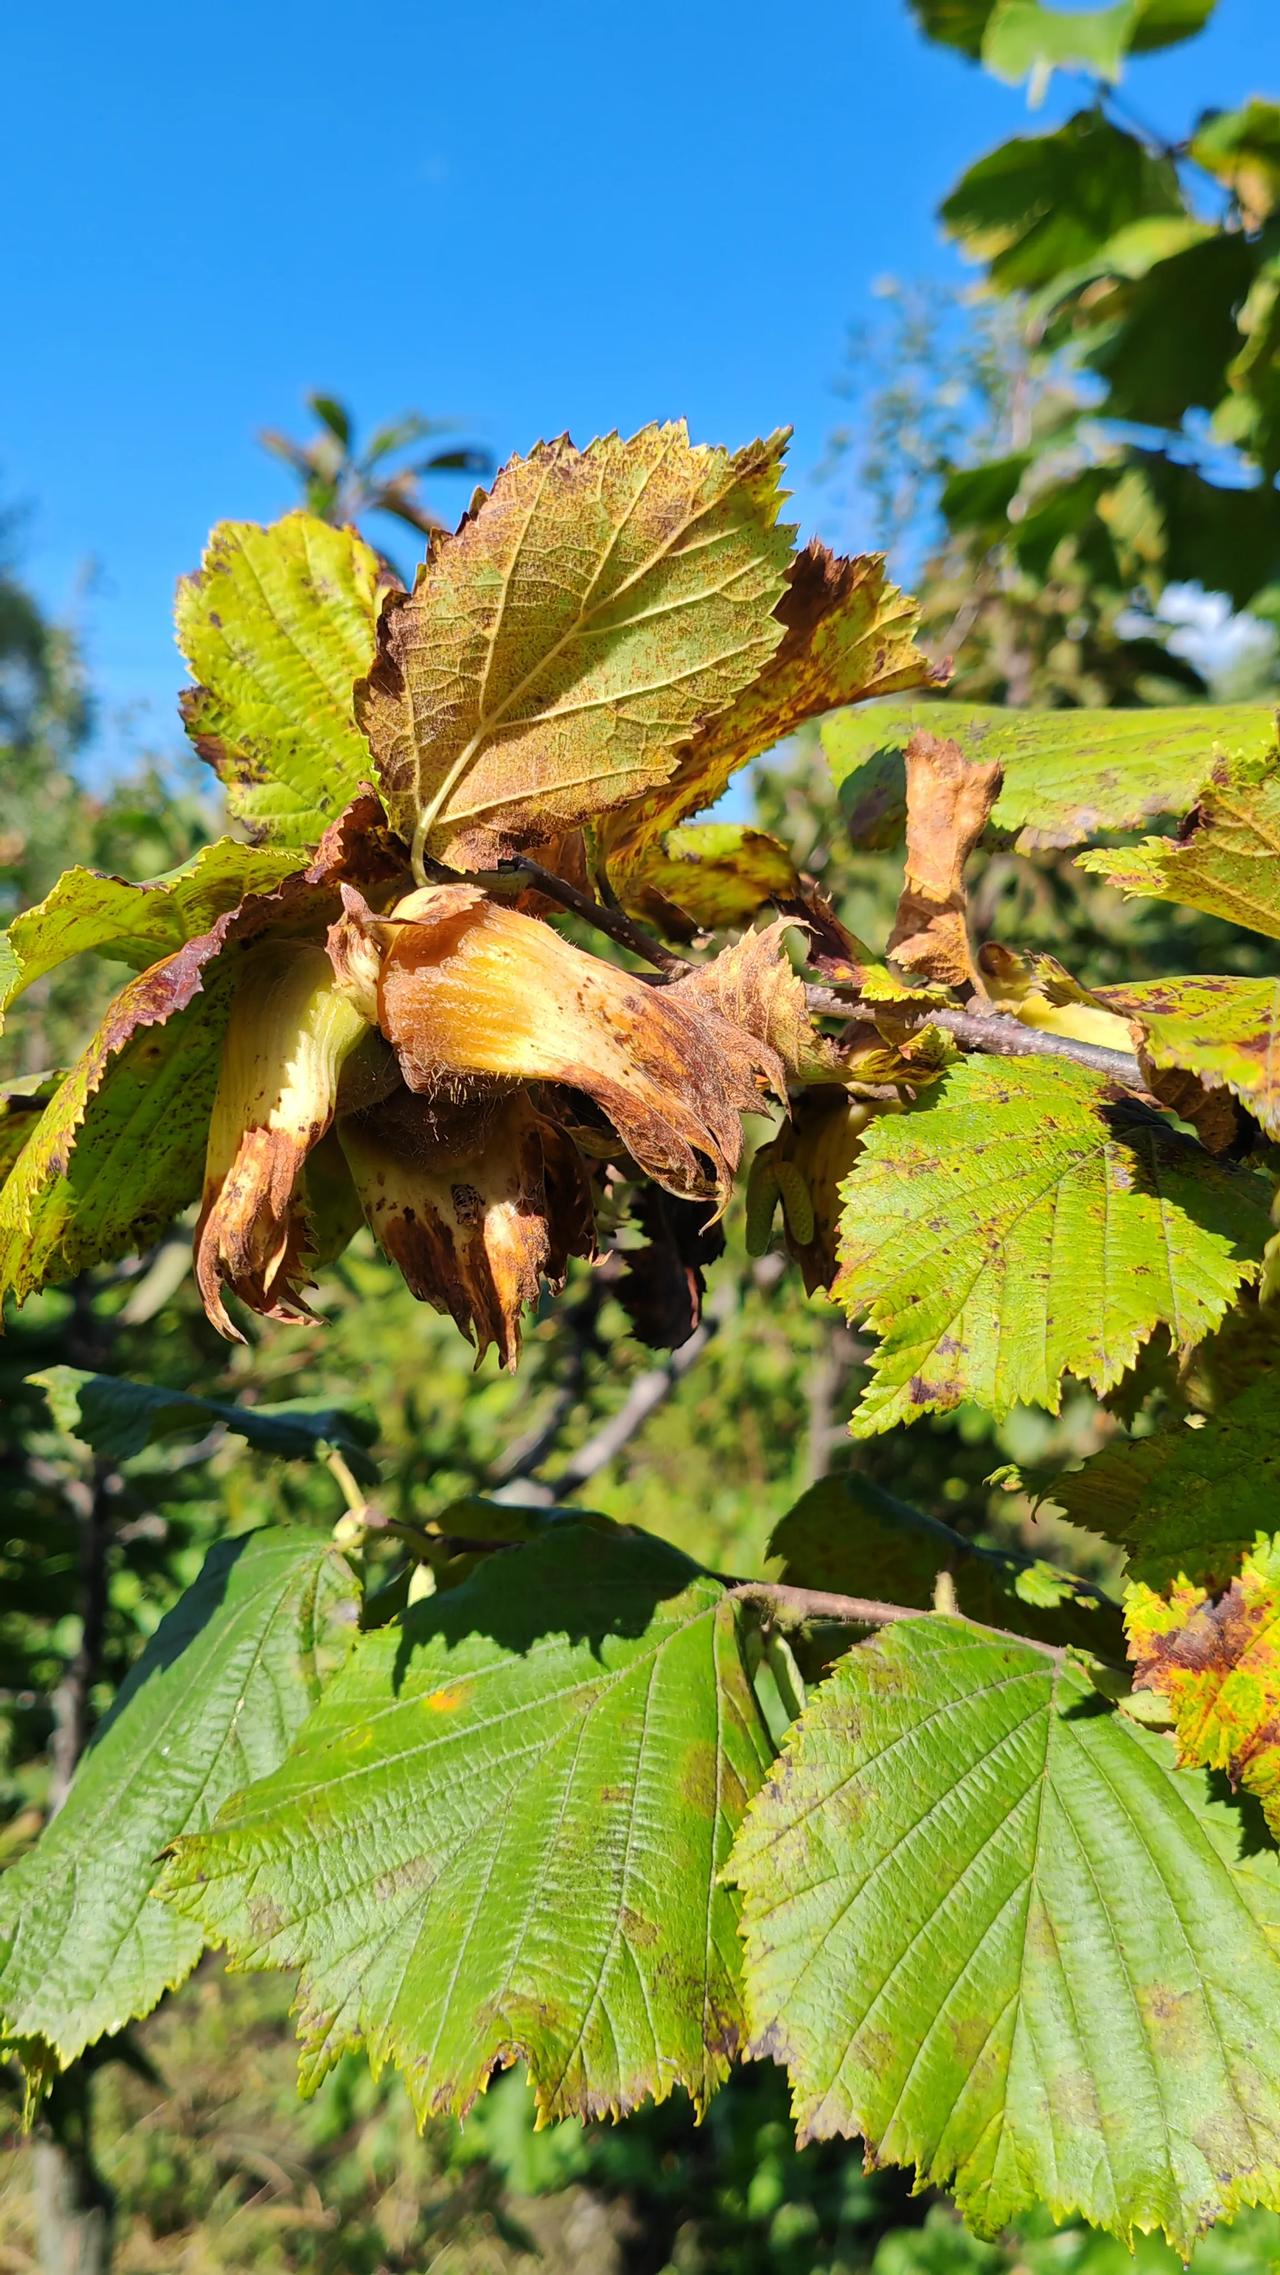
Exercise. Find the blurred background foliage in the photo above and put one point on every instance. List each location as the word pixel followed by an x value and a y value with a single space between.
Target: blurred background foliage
pixel 1067 464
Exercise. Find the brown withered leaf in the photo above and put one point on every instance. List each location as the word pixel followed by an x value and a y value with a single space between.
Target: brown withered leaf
pixel 847 635
pixel 477 1202
pixel 472 990
pixel 591 612
pixel 948 800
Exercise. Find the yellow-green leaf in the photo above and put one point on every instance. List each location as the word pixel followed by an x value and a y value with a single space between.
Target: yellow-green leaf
pixel 716 873
pixel 1226 1031
pixel 1015 1226
pixel 134 924
pixel 1068 775
pixel 991 1928
pixel 1226 860
pixel 277 627
pixel 591 612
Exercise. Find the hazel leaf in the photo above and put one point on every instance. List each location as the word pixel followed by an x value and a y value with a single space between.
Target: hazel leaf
pixel 992 1929
pixel 1218 1664
pixel 500 1836
pixel 1225 859
pixel 277 626
pixel 1189 1499
pixel 590 613
pixel 214 1700
pixel 1068 775
pixel 1014 1226
pixel 847 636
pixel 1226 1031
pixel 134 924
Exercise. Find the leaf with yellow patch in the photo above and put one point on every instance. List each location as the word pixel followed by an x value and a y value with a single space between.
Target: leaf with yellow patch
pixel 714 873
pixel 591 612
pixel 1226 1031
pixel 1218 1664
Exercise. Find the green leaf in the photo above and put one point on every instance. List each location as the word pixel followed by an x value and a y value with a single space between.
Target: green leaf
pixel 119 1150
pixel 119 1418
pixel 992 1929
pixel 1024 39
pixel 500 1836
pixel 1041 205
pixel 1225 859
pixel 134 924
pixel 277 627
pixel 1226 1031
pixel 1156 368
pixel 1187 1500
pixel 1068 775
pixel 590 613
pixel 848 1535
pixel 214 1700
pixel 1242 148
pixel 1014 1226
pixel 717 873
pixel 964 24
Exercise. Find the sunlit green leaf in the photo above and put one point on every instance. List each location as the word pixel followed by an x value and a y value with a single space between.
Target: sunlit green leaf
pixel 134 924
pixel 1014 1226
pixel 1068 775
pixel 277 627
pixel 991 1929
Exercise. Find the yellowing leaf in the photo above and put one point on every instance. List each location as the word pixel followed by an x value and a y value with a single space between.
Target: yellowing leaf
pixel 1068 775
pixel 847 636
pixel 1218 1664
pixel 590 613
pixel 1015 1226
pixel 1226 1031
pixel 715 874
pixel 134 924
pixel 277 627
pixel 1225 860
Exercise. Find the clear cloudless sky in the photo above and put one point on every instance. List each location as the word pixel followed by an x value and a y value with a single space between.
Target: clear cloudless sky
pixel 531 217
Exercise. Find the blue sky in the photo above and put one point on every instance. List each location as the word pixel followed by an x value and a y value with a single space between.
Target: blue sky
pixel 531 218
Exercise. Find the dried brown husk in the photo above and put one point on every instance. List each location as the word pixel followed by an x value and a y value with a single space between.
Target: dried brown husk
pixel 470 988
pixel 478 1201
